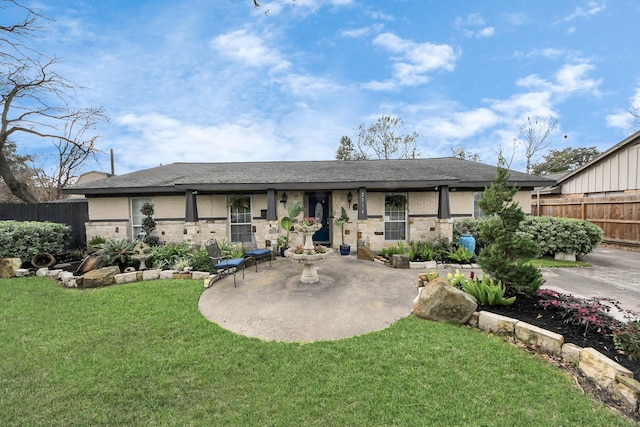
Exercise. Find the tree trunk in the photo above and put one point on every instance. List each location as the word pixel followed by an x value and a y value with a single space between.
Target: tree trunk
pixel 16 187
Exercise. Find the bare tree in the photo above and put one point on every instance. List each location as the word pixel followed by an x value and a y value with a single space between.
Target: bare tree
pixel 384 140
pixel 34 99
pixel 464 154
pixel 72 152
pixel 635 113
pixel 535 132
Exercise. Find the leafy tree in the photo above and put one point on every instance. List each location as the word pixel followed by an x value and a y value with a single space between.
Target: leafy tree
pixel 346 151
pixel 534 132
pixel 566 160
pixel 384 140
pixel 35 101
pixel 505 255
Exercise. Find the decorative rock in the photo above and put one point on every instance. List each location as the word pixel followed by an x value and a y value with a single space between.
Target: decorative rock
pixel 42 272
pixel 600 368
pixel 399 261
pixel 496 323
pixel 53 274
pixel 128 277
pixel 64 275
pixel 365 253
pixel 563 256
pixel 571 352
pixel 167 274
pixel 200 275
pixel 151 274
pixel 8 267
pixel 546 340
pixel 23 272
pixel 629 389
pixel 71 283
pixel 442 302
pixel 473 320
pixel 100 277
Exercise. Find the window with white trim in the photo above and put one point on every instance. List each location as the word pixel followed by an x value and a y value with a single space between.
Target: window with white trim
pixel 240 219
pixel 477 212
pixel 136 215
pixel 395 216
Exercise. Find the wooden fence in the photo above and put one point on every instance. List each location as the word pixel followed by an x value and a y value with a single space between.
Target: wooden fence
pixel 71 212
pixel 618 216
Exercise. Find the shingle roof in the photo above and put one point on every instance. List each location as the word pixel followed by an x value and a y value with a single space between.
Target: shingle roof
pixel 305 175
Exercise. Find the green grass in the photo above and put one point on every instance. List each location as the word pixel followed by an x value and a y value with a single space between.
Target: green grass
pixel 142 355
pixel 552 263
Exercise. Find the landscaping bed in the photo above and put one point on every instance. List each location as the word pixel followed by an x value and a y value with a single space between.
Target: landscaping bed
pixel 529 310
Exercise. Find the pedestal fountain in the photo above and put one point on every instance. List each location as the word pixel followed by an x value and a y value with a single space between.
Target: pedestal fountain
pixel 308 254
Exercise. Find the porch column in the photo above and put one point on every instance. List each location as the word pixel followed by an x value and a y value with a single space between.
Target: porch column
pixel 444 211
pixel 191 207
pixel 271 205
pixel 362 203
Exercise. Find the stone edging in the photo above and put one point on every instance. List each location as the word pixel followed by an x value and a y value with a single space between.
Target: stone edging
pixel 606 373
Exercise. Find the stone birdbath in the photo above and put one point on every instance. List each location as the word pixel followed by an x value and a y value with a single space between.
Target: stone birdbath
pixel 308 254
pixel 142 254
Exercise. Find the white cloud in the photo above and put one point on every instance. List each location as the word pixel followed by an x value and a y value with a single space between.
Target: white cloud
pixel 243 138
pixel 362 32
pixel 623 119
pixel 569 79
pixel 592 8
pixel 413 61
pixel 486 32
pixel 248 49
pixel 473 25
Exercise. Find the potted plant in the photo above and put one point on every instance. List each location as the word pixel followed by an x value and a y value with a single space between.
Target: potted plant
pixel 340 222
pixel 286 223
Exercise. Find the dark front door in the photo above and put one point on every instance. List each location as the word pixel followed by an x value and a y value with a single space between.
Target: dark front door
pixel 319 207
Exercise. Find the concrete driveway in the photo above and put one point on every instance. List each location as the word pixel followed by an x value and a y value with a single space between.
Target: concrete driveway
pixel 615 273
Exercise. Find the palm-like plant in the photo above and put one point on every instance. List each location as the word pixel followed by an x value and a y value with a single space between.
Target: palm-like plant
pixel 116 252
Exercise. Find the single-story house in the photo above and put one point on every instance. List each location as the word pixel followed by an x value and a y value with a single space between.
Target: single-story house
pixel 387 200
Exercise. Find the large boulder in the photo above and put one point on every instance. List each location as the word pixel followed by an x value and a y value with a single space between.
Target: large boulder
pixel 442 302
pixel 8 267
pixel 101 277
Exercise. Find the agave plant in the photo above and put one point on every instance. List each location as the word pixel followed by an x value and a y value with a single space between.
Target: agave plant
pixel 116 252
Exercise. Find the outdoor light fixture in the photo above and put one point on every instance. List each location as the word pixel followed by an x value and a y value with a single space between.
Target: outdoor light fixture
pixel 349 197
pixel 284 198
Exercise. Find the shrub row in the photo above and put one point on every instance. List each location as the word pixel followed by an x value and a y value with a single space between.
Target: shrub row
pixel 552 234
pixel 25 239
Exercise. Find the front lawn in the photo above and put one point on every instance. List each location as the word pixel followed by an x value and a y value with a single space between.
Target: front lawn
pixel 142 355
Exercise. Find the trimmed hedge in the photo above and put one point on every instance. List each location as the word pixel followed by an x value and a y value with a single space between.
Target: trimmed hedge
pixel 25 239
pixel 552 234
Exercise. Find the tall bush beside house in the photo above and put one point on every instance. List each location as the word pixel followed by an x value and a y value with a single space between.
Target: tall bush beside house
pixel 567 235
pixel 507 248
pixel 25 239
pixel 149 224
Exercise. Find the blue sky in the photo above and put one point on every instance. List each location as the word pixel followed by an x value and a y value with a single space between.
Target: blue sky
pixel 220 80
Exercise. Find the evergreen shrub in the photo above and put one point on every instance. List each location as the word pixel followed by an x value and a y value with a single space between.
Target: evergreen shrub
pixel 25 239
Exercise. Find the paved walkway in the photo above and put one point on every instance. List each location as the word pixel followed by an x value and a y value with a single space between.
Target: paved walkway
pixel 354 297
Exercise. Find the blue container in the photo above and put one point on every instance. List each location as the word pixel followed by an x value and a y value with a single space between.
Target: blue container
pixel 468 242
